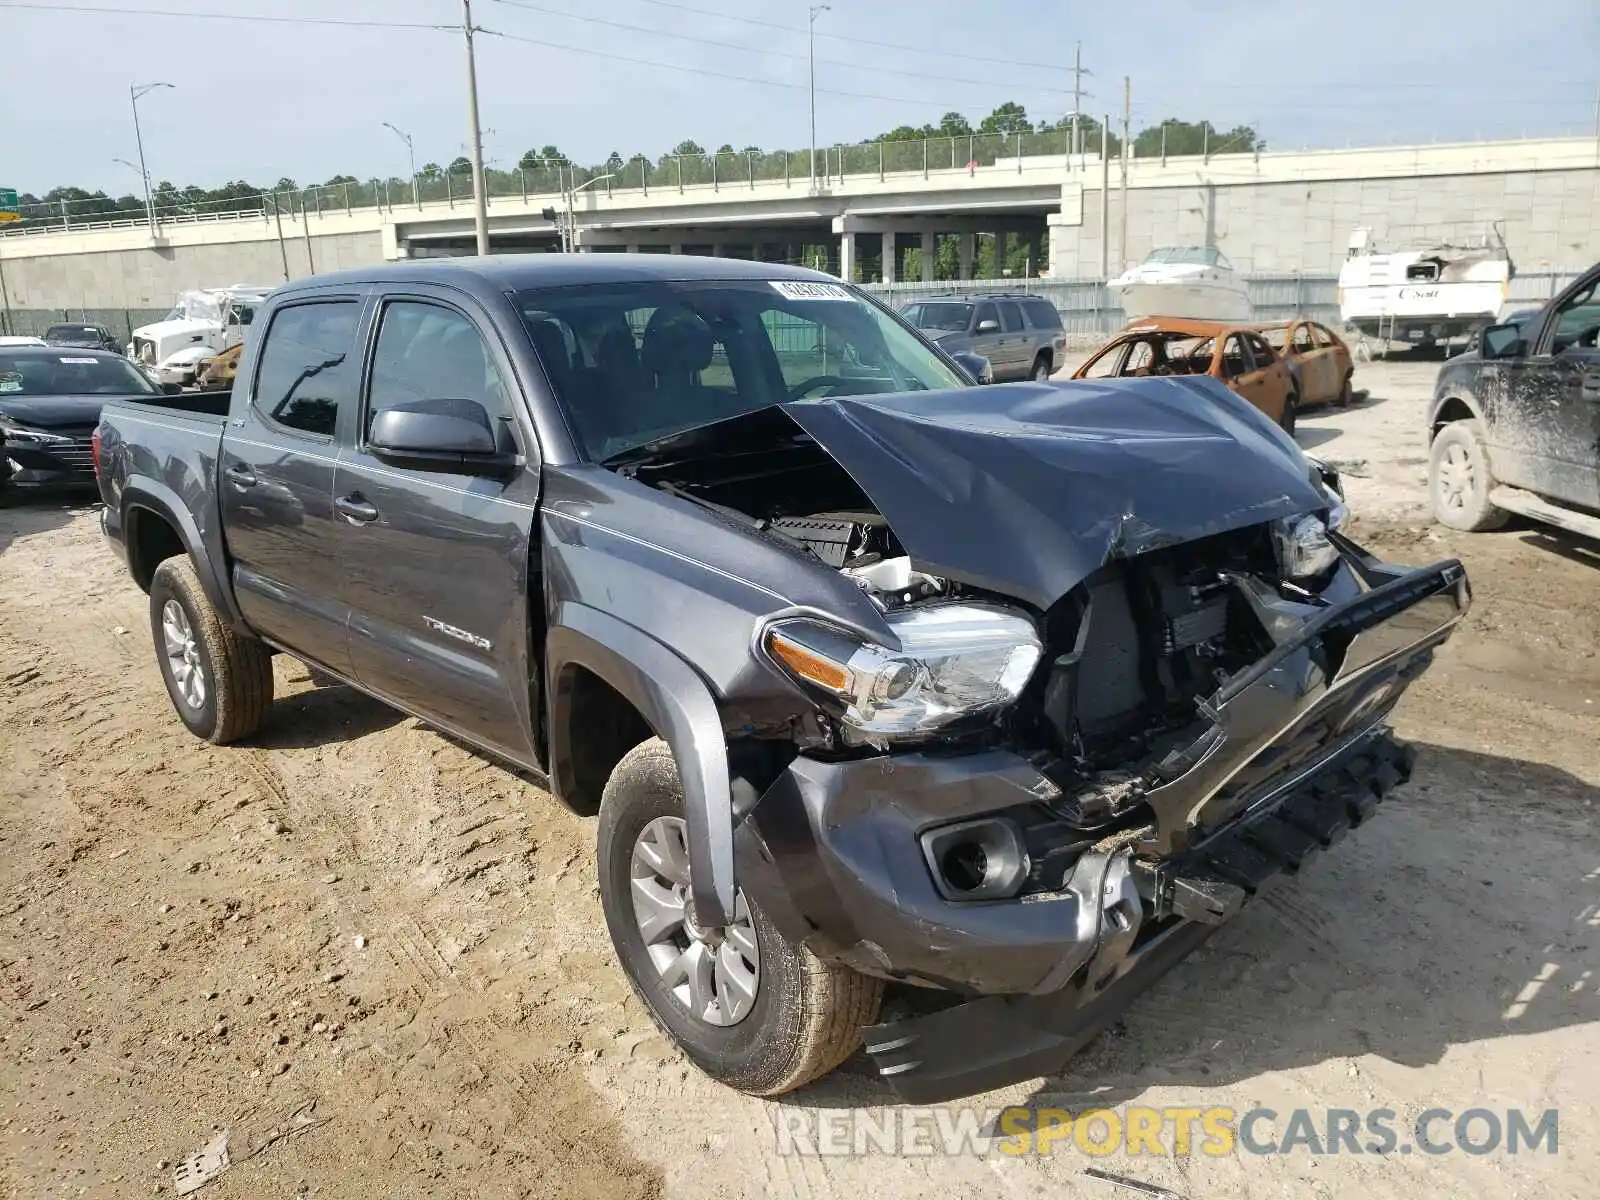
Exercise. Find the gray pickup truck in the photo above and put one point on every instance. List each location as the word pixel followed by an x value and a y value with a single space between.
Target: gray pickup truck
pixel 1515 423
pixel 1000 698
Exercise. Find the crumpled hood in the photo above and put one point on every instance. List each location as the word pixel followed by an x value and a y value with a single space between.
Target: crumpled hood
pixel 1027 489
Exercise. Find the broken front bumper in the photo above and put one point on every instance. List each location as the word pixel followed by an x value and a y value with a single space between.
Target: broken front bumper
pixel 1295 752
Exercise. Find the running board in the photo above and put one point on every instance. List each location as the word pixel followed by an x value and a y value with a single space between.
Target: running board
pixel 1529 505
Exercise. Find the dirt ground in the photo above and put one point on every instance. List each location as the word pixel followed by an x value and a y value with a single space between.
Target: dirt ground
pixel 355 912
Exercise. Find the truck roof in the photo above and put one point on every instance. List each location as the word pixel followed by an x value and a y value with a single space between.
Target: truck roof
pixel 515 272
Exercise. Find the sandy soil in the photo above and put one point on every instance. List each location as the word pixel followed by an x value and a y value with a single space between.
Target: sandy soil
pixel 355 911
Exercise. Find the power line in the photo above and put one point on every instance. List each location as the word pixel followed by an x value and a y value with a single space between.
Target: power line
pixel 704 41
pixel 98 10
pixel 697 70
pixel 841 37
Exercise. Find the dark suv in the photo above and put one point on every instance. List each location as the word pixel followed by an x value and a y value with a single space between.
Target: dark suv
pixel 83 337
pixel 1021 336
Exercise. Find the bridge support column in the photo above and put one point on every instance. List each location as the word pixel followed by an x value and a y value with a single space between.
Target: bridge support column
pixel 968 253
pixel 930 253
pixel 1035 250
pixel 847 256
pixel 891 257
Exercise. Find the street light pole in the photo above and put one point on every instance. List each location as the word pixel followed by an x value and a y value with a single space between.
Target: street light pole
pixel 811 67
pixel 134 92
pixel 411 153
pixel 569 239
pixel 480 202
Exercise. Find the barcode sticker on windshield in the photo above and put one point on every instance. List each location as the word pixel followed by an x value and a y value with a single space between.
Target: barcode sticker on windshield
pixel 798 289
pixel 80 361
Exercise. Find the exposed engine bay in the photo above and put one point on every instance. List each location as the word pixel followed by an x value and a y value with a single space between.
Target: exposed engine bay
pixel 1129 655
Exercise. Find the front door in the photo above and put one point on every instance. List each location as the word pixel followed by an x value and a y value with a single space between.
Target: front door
pixel 1544 423
pixel 437 564
pixel 986 337
pixel 276 478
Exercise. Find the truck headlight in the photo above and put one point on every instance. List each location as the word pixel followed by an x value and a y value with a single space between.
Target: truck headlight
pixel 16 435
pixel 955 660
pixel 1303 547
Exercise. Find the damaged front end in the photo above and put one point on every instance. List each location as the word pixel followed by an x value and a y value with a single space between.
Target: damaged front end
pixel 1125 668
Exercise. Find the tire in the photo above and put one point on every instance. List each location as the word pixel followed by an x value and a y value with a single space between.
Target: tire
pixel 806 1016
pixel 1346 392
pixel 234 693
pixel 1460 479
pixel 1041 368
pixel 1291 413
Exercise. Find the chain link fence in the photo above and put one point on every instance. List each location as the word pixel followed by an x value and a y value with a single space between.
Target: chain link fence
pixel 120 321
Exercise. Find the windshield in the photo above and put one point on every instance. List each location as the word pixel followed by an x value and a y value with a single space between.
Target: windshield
pixel 943 316
pixel 1205 256
pixel 49 373
pixel 635 362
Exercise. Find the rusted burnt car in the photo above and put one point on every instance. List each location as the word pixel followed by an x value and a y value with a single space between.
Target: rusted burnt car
pixel 1237 355
pixel 1318 360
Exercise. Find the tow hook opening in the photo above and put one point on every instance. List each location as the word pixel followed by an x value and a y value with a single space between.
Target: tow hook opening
pixel 977 860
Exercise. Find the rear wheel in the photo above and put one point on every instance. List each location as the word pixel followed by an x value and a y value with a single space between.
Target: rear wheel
pixel 1346 391
pixel 751 1008
pixel 1041 368
pixel 1459 479
pixel 220 684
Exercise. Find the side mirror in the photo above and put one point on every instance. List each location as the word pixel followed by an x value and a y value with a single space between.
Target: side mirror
pixel 975 366
pixel 987 327
pixel 1500 341
pixel 440 435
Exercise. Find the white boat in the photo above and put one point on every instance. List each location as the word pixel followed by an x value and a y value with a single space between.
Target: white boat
pixel 1183 281
pixel 1431 293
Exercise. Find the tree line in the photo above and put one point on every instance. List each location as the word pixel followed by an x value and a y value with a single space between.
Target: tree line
pixel 687 162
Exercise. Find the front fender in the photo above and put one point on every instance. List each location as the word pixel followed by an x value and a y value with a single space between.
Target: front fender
pixel 143 494
pixel 679 707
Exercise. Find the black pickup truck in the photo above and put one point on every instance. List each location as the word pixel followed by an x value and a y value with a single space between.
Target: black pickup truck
pixel 1515 423
pixel 1000 697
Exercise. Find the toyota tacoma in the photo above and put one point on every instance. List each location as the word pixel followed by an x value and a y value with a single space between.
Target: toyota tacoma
pixel 998 698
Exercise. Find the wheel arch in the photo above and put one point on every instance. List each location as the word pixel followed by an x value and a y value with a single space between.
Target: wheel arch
pixel 157 525
pixel 1448 410
pixel 584 645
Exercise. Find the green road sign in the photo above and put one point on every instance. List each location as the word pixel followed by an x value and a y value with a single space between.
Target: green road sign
pixel 9 209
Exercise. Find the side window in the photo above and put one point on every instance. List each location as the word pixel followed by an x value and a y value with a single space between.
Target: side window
pixel 304 374
pixel 1235 358
pixel 1010 317
pixel 1323 337
pixel 429 352
pixel 1043 315
pixel 986 312
pixel 1108 365
pixel 1259 350
pixel 1302 342
pixel 1141 358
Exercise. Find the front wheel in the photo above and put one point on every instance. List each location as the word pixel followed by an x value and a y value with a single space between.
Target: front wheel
pixel 1459 479
pixel 752 1009
pixel 220 683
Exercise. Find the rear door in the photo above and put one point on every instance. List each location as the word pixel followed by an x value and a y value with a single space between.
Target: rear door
pixel 1016 348
pixel 1313 363
pixel 437 564
pixel 1340 364
pixel 1255 380
pixel 276 473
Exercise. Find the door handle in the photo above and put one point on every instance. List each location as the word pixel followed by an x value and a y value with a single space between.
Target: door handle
pixel 355 509
pixel 240 476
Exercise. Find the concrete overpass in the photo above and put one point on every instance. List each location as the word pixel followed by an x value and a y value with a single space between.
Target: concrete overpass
pixel 1277 212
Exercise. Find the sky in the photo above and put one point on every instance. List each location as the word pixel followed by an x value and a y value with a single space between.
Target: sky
pixel 260 101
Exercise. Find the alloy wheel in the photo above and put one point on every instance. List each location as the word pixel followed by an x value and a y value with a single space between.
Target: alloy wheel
pixel 183 655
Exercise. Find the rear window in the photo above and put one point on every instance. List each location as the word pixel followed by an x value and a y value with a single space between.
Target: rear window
pixel 1043 314
pixel 303 377
pixel 41 372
